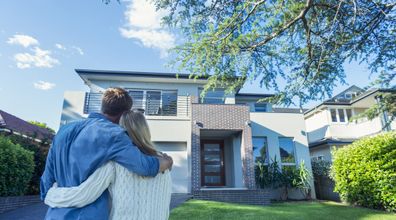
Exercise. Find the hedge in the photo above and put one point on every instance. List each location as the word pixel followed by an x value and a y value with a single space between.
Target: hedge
pixel 16 168
pixel 365 172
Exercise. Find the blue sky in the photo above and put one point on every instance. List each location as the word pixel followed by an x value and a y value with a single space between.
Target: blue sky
pixel 43 41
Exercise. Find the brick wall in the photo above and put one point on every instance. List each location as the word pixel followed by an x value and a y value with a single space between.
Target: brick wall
pixel 250 197
pixel 221 117
pixel 13 202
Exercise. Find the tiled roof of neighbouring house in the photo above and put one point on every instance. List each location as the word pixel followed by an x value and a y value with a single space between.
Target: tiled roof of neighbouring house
pixel 15 124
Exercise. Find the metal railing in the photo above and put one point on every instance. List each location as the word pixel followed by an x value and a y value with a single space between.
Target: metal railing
pixel 161 105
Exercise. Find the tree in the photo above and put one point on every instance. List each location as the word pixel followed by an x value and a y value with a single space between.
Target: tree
pixel 303 43
pixel 42 125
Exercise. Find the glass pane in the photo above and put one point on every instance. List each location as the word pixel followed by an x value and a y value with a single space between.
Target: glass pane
pixel 349 113
pixel 213 168
pixel 169 102
pixel 341 115
pixel 212 157
pixel 212 179
pixel 286 147
pixel 333 115
pixel 260 107
pixel 213 97
pixel 153 102
pixel 137 98
pixel 260 149
pixel 211 147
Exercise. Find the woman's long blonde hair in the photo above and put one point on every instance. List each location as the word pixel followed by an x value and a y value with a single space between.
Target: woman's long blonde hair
pixel 136 125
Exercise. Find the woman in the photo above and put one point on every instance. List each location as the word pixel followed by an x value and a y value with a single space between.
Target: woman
pixel 133 196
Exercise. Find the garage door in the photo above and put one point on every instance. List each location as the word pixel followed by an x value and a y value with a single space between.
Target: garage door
pixel 178 151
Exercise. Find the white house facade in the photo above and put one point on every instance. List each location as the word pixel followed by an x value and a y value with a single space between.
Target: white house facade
pixel 214 141
pixel 329 125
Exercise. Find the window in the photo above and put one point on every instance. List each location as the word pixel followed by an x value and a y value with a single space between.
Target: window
pixel 155 102
pixel 260 107
pixel 260 149
pixel 212 97
pixel 349 113
pixel 286 148
pixel 333 115
pixel 341 115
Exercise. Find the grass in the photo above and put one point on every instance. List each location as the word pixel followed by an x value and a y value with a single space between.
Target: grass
pixel 206 210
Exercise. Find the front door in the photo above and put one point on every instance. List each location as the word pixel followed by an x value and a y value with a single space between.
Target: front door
pixel 212 163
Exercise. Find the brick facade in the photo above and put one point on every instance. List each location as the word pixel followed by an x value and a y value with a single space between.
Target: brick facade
pixel 249 197
pixel 13 202
pixel 221 117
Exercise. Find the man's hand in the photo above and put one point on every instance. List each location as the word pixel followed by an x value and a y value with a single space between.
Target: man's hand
pixel 165 162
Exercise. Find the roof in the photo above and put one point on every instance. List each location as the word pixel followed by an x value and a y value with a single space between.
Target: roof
pixel 289 110
pixel 253 95
pixel 330 141
pixel 16 124
pixel 363 95
pixel 137 74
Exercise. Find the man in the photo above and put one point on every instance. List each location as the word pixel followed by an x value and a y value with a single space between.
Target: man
pixel 80 148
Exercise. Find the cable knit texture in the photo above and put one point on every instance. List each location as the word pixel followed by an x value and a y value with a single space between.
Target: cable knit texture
pixel 133 197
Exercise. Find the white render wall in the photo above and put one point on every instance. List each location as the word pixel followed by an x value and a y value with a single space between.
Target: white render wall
pixel 275 125
pixel 73 107
pixel 317 125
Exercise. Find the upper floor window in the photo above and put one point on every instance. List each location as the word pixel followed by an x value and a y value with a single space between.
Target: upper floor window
pixel 260 149
pixel 340 115
pixel 155 102
pixel 287 150
pixel 260 107
pixel 212 96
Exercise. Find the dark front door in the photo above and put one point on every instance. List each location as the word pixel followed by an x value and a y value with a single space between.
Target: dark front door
pixel 212 163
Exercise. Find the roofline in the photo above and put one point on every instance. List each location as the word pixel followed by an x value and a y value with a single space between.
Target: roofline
pixel 353 101
pixel 137 74
pixel 254 95
pixel 328 141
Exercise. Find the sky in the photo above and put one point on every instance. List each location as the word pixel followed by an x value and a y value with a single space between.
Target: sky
pixel 43 41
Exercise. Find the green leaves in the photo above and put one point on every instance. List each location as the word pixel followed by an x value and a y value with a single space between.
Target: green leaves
pixel 365 172
pixel 16 168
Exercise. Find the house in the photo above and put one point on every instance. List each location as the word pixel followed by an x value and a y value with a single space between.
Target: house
pixel 328 124
pixel 10 124
pixel 214 141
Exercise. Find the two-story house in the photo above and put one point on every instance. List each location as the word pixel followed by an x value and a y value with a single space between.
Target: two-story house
pixel 329 124
pixel 214 140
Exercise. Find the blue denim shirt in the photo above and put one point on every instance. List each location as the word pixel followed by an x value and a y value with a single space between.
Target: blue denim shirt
pixel 80 148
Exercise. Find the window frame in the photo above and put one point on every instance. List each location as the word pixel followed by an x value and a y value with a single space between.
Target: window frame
pixel 267 150
pixel 294 151
pixel 344 110
pixel 144 99
pixel 264 104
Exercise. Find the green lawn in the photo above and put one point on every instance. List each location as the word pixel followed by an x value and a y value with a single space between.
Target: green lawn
pixel 206 210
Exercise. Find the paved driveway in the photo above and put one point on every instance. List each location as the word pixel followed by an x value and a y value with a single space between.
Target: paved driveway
pixel 37 211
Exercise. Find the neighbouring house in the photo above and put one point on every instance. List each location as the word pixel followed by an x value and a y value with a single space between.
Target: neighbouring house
pixel 214 140
pixel 12 125
pixel 328 124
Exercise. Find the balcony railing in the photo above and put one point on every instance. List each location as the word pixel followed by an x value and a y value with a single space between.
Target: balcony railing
pixel 161 105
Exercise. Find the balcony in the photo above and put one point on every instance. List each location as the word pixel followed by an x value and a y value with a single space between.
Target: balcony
pixel 152 103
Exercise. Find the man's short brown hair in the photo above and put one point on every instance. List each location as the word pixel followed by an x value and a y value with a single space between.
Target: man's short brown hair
pixel 116 101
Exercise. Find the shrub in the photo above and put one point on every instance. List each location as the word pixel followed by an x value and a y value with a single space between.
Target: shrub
pixel 39 155
pixel 321 167
pixel 16 168
pixel 365 172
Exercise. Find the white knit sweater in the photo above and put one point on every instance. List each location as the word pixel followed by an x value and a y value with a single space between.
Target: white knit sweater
pixel 133 196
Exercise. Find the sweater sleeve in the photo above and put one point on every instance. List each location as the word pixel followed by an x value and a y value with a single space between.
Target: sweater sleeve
pixel 84 194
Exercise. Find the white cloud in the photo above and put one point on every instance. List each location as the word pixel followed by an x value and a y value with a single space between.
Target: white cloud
pixel 23 40
pixel 60 46
pixel 144 24
pixel 42 85
pixel 79 50
pixel 39 58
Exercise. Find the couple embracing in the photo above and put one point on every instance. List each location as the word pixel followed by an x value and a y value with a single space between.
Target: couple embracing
pixel 106 167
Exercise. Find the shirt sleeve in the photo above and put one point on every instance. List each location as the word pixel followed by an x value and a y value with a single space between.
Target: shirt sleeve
pixel 86 193
pixel 125 153
pixel 48 177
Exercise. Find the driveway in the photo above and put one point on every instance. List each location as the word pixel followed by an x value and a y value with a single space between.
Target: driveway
pixel 37 211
